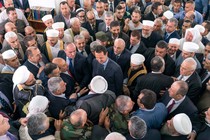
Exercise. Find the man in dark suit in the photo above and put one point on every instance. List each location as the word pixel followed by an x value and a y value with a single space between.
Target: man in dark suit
pixel 91 24
pixel 155 81
pixel 136 45
pixel 149 37
pixel 66 77
pixel 156 10
pixel 105 26
pixel 190 76
pixel 115 32
pixel 82 48
pixel 78 66
pixel 171 32
pixel 107 68
pixel 65 15
pixel 23 5
pixel 33 63
pixel 120 55
pixel 177 102
pixel 160 50
pixel 97 99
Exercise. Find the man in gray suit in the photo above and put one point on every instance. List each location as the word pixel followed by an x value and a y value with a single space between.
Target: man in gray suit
pixel 105 26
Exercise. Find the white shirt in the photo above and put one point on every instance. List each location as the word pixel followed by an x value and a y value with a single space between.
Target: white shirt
pixel 132 27
pixel 101 17
pixel 20 15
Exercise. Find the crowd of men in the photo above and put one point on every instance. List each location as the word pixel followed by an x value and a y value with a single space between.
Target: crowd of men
pixel 106 69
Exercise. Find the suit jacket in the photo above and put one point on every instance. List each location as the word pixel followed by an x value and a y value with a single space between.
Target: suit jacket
pixel 152 134
pixel 92 32
pixel 153 81
pixel 60 18
pixel 82 74
pixel 93 104
pixel 102 27
pixel 69 84
pixel 32 68
pixel 169 62
pixel 18 5
pixel 112 73
pixel 152 40
pixel 204 133
pixel 186 107
pixel 122 35
pixel 57 104
pixel 149 16
pixel 142 49
pixel 173 35
pixel 123 60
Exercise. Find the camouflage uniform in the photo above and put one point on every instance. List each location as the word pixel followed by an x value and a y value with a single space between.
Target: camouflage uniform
pixel 118 122
pixel 69 132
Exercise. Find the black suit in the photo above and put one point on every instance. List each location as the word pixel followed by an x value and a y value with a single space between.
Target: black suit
pixel 69 84
pixel 122 35
pixel 204 133
pixel 142 49
pixel 92 32
pixel 93 104
pixel 102 27
pixel 149 16
pixel 112 73
pixel 152 40
pixel 169 62
pixel 32 68
pixel 57 104
pixel 82 74
pixel 153 81
pixel 123 60
pixel 186 107
pixel 18 5
pixel 173 35
pixel 152 134
pixel 60 18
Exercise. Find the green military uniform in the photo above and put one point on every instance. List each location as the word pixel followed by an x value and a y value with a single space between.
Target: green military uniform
pixel 69 132
pixel 118 122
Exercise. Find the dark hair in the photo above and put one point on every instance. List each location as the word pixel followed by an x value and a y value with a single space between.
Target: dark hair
pixel 155 6
pixel 189 21
pixel 100 48
pixel 183 88
pixel 156 64
pixel 149 98
pixel 162 44
pixel 63 3
pixel 29 51
pixel 28 38
pixel 49 68
pixel 114 24
pixel 136 11
pixel 207 26
pixel 118 7
pixel 9 9
pixel 136 33
pixel 178 1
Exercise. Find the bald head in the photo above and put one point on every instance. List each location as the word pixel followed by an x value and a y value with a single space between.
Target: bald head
pixel 9 26
pixel 61 63
pixel 119 46
pixel 78 118
pixel 30 31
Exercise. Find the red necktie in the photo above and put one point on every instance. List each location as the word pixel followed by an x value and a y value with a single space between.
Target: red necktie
pixel 171 106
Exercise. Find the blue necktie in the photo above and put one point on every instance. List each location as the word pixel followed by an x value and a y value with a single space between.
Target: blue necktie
pixel 71 67
pixel 11 136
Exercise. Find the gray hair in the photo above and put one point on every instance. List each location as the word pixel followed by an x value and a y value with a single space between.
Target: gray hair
pixel 191 61
pixel 174 20
pixel 121 102
pixel 9 35
pixel 36 123
pixel 120 40
pixel 73 20
pixel 115 136
pixel 158 20
pixel 94 44
pixel 77 37
pixel 54 84
pixel 137 128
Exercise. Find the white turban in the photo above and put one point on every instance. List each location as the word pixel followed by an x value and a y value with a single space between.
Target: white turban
pixel 98 84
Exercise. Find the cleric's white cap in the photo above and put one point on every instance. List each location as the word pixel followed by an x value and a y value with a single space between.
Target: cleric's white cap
pixel 148 23
pixel 168 14
pixel 38 104
pixel 57 25
pixel 200 28
pixel 46 17
pixel 182 124
pixel 8 54
pixel 52 33
pixel 21 75
pixel 174 41
pixel 137 59
pixel 190 47
pixel 98 84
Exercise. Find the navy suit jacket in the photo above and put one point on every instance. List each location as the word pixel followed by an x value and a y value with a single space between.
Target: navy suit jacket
pixel 112 73
pixel 173 35
pixel 18 5
pixel 102 27
pixel 87 26
pixel 69 84
pixel 152 40
pixel 149 16
pixel 186 107
pixel 60 18
pixel 82 73
pixel 32 68
pixel 123 60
